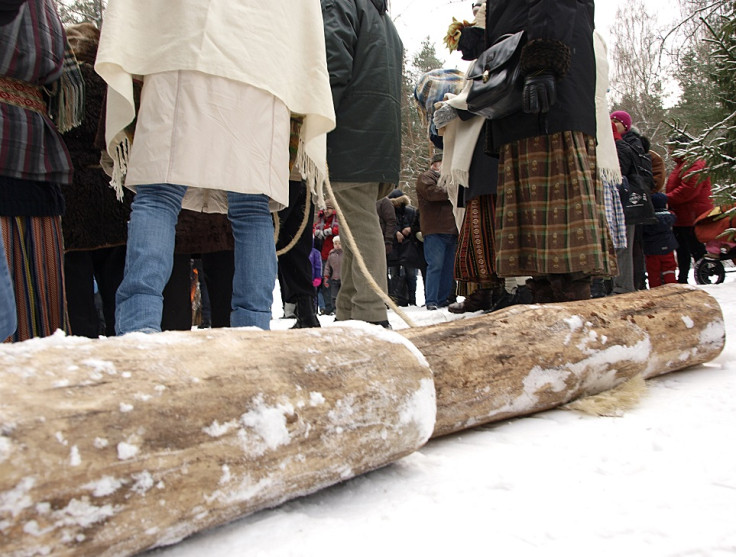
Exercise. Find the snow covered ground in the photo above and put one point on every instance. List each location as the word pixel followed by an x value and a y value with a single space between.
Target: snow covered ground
pixel 658 481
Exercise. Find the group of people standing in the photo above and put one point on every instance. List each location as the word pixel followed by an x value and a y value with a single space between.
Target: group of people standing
pixel 537 193
pixel 203 114
pixel 196 117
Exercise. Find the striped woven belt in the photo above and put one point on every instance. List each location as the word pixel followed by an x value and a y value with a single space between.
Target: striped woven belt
pixel 22 94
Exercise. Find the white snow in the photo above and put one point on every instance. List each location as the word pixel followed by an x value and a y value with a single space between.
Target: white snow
pixel 659 481
pixel 104 486
pixel 127 450
pixel 74 458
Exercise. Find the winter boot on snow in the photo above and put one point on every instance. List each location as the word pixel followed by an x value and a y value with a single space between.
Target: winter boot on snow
pixel 305 315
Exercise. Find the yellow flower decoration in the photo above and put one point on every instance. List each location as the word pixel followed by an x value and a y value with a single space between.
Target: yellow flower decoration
pixel 453 33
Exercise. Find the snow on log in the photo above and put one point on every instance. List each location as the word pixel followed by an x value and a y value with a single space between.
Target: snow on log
pixel 526 359
pixel 113 446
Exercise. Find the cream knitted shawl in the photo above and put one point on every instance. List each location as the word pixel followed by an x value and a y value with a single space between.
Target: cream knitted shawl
pixel 277 46
pixel 606 155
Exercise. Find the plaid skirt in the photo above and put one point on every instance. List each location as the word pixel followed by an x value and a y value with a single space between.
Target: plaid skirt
pixel 550 217
pixel 34 248
pixel 474 255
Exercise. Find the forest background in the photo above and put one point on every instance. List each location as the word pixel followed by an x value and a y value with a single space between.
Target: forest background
pixel 672 77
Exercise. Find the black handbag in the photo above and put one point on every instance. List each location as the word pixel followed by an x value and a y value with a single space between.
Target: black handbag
pixel 636 201
pixel 496 88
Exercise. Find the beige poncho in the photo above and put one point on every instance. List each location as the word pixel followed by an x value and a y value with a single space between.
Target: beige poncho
pixel 275 46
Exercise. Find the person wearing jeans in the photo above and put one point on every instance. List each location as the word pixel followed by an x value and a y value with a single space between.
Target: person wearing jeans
pixel 439 251
pixel 437 224
pixel 151 251
pixel 8 319
pixel 216 130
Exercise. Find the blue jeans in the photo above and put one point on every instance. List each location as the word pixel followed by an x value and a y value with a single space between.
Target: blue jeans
pixel 8 319
pixel 439 251
pixel 150 253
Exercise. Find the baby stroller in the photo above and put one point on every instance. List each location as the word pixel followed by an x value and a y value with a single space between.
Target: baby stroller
pixel 717 230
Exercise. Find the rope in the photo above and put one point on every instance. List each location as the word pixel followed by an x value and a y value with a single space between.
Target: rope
pixel 348 235
pixel 302 226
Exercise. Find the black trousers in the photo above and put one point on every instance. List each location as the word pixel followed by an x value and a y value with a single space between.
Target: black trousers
pixel 81 268
pixel 689 247
pixel 295 270
pixel 218 268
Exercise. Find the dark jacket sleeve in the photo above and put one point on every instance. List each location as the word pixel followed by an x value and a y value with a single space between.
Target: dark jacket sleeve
pixel 625 158
pixel 341 37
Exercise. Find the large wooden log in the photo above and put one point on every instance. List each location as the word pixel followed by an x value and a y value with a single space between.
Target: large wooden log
pixel 114 446
pixel 526 359
pixel 109 447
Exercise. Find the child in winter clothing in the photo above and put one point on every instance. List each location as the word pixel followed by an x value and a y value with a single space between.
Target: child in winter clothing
pixel 315 259
pixel 660 244
pixel 332 269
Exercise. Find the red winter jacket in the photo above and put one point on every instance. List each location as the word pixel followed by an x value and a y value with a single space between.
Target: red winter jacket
pixel 688 194
pixel 324 230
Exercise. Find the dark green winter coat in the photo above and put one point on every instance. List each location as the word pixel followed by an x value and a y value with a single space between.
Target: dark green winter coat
pixel 364 59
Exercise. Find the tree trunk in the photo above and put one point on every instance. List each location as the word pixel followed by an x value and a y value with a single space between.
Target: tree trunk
pixel 113 446
pixel 110 447
pixel 526 359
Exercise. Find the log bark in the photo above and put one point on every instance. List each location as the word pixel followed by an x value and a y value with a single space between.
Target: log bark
pixel 526 359
pixel 110 447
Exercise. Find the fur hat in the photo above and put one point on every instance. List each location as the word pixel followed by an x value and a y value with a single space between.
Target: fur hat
pixel 623 117
pixel 84 38
pixel 659 200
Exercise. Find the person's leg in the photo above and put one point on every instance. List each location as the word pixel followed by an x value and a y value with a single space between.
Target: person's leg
pixel 695 246
pixel 176 314
pixel 434 253
pixel 653 271
pixel 668 268
pixel 638 259
pixel 683 253
pixel 357 299
pixel 80 297
pixel 109 264
pixel 295 271
pixel 334 290
pixel 411 285
pixel 149 257
pixel 447 282
pixel 326 295
pixel 255 260
pixel 8 320
pixel 624 281
pixel 219 269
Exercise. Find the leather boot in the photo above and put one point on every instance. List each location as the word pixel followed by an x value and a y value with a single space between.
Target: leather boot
pixel 541 291
pixel 305 316
pixel 567 288
pixel 481 299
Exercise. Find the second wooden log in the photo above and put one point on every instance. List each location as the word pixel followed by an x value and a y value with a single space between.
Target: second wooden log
pixel 526 359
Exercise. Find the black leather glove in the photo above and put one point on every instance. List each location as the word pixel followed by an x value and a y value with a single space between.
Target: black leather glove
pixel 540 93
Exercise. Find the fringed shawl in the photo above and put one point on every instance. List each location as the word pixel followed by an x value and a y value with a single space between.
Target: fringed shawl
pixel 276 46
